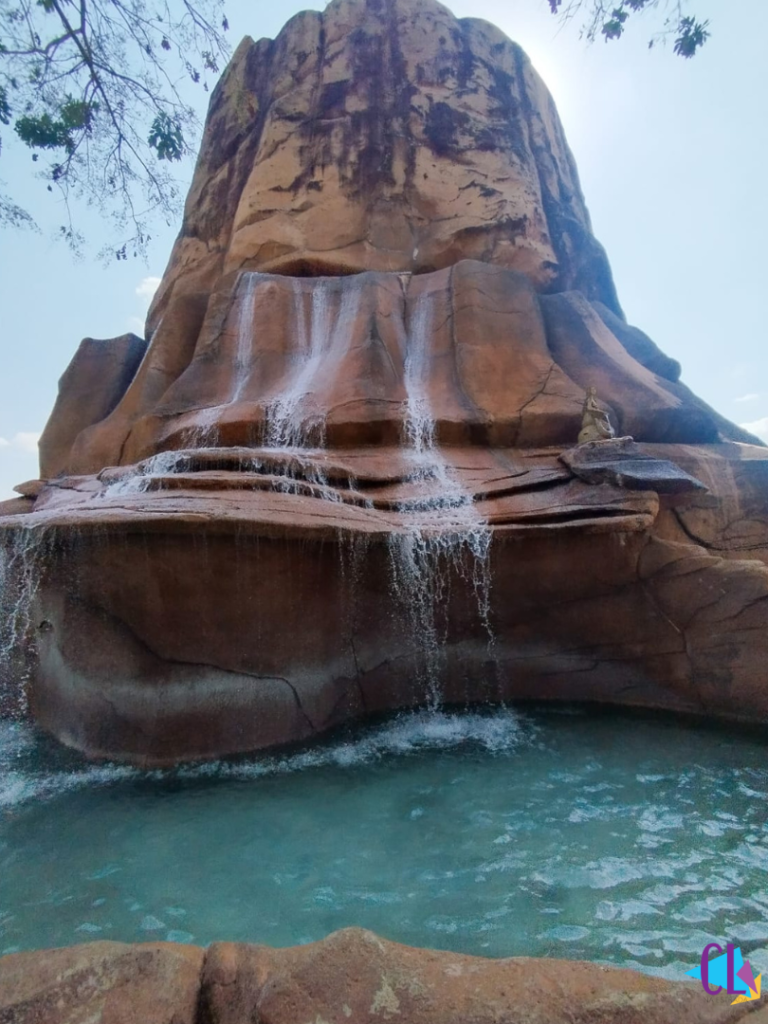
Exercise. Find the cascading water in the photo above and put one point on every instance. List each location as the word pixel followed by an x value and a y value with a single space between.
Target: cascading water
pixel 442 538
pixel 20 553
pixel 282 430
pixel 244 351
pixel 206 433
pixel 419 421
pixel 287 425
pixel 444 535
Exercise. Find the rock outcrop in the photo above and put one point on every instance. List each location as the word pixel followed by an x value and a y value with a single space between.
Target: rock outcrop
pixel 384 136
pixel 339 479
pixel 351 977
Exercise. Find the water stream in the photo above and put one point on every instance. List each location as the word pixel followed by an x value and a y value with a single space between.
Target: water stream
pixel 284 426
pixel 445 536
pixel 20 555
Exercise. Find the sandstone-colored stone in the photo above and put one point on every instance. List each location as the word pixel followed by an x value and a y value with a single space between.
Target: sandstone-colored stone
pixel 390 137
pixel 638 344
pixel 355 977
pixel 351 977
pixel 495 370
pixel 641 403
pixel 622 462
pixel 30 488
pixel 732 519
pixel 277 633
pixel 104 982
pixel 90 388
pixel 172 343
pixel 17 506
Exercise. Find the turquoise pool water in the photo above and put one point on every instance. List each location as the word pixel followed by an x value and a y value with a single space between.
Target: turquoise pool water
pixel 609 838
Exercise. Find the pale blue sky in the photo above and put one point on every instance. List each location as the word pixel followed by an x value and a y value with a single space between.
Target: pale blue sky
pixel 672 157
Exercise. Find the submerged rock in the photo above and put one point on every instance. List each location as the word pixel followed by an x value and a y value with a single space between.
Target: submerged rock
pixel 340 478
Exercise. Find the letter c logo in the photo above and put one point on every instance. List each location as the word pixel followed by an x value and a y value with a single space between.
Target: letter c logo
pixel 705 969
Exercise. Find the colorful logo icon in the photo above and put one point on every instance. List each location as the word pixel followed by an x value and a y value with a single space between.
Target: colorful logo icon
pixel 726 971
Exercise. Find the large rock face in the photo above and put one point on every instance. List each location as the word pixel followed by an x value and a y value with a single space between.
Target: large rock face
pixel 351 977
pixel 338 480
pixel 384 135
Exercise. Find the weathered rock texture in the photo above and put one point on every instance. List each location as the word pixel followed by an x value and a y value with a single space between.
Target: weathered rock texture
pixel 384 135
pixel 317 497
pixel 226 604
pixel 502 366
pixel 93 384
pixel 352 977
pixel 108 982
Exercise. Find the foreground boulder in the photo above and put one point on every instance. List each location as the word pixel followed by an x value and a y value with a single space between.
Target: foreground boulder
pixel 108 982
pixel 351 977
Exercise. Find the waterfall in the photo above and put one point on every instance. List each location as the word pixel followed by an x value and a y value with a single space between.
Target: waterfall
pixel 285 427
pixel 419 422
pixel 19 581
pixel 244 349
pixel 444 535
pixel 206 433
pixel 137 479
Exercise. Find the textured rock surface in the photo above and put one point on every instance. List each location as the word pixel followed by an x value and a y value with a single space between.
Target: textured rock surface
pixel 597 593
pixel 622 462
pixel 384 136
pixel 501 366
pixel 104 982
pixel 90 388
pixel 351 977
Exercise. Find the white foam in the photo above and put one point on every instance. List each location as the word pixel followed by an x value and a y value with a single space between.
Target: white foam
pixel 410 733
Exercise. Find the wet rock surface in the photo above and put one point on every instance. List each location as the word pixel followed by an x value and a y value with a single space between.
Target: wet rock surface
pixel 551 588
pixel 351 977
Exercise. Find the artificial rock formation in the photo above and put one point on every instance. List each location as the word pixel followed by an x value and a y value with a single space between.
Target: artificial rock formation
pixel 384 136
pixel 343 476
pixel 351 977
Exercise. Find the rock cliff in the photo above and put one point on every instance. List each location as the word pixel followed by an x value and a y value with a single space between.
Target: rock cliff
pixel 384 135
pixel 339 477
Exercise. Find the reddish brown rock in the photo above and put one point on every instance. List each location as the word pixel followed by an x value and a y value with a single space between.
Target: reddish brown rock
pixel 499 372
pixel 16 506
pixel 280 611
pixel 30 488
pixel 90 388
pixel 389 137
pixel 351 977
pixel 355 977
pixel 108 982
